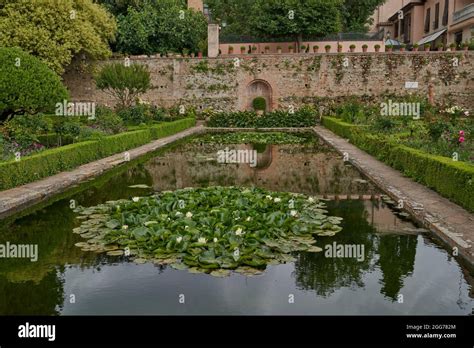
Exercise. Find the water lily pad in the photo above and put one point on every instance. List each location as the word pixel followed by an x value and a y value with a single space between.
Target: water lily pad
pixel 196 270
pixel 248 271
pixel 140 261
pixel 314 249
pixel 115 253
pixel 82 244
pixel 179 266
pixel 217 229
pixel 140 186
pixel 220 273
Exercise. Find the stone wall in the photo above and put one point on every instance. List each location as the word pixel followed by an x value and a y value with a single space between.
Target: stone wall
pixel 232 83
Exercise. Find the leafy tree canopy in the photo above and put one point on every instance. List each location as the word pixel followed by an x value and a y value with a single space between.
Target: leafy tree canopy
pixel 161 26
pixel 312 17
pixel 125 83
pixel 27 85
pixel 296 17
pixel 235 13
pixel 118 7
pixel 55 30
pixel 356 14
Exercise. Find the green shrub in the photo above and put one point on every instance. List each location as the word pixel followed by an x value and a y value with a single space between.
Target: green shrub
pixel 66 127
pixel 25 129
pixel 107 121
pixel 63 158
pixel 383 124
pixel 259 104
pixel 27 85
pixel 452 179
pixel 136 115
pixel 304 117
pixel 124 83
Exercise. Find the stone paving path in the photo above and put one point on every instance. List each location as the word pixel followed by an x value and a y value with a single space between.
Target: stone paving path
pixel 450 222
pixel 23 197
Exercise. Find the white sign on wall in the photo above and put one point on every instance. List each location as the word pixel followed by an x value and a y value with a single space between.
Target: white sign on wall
pixel 411 84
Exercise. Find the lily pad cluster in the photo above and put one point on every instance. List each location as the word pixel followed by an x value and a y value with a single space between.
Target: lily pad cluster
pixel 254 138
pixel 212 230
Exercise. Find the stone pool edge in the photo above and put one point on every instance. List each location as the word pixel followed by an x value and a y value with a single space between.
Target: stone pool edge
pixel 26 196
pixel 449 222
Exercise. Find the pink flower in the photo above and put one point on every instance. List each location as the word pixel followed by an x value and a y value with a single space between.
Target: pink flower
pixel 461 139
pixel 461 133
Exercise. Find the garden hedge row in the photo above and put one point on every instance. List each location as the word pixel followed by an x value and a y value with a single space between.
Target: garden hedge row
pixel 304 117
pixel 67 157
pixel 453 180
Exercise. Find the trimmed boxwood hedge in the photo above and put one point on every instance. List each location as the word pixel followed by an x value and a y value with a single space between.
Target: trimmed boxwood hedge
pixel 453 180
pixel 67 157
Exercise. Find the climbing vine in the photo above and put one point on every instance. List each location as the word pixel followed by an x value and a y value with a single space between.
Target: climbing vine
pixel 337 63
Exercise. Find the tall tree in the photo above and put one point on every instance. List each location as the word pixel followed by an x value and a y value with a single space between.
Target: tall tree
pixel 118 7
pixel 55 31
pixel 356 14
pixel 234 13
pixel 161 26
pixel 296 18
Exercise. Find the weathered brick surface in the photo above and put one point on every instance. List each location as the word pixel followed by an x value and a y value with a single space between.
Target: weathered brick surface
pixel 294 79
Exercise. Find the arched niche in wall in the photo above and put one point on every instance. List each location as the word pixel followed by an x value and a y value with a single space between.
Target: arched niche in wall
pixel 259 88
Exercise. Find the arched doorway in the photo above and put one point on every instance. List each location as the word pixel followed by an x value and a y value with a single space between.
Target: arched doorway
pixel 259 88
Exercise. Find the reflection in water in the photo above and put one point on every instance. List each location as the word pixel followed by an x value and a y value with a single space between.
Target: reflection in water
pixel 397 257
pixel 321 285
pixel 310 168
pixel 325 275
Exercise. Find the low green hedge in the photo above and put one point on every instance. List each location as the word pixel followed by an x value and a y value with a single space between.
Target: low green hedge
pixel 67 157
pixel 452 179
pixel 165 129
pixel 52 139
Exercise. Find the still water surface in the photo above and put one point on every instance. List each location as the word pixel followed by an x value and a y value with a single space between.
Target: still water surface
pixel 399 259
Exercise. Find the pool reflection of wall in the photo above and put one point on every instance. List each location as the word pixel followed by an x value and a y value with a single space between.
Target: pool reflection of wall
pixel 312 169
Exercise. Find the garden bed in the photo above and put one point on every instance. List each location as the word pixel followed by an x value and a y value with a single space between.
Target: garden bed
pixel 49 162
pixel 452 179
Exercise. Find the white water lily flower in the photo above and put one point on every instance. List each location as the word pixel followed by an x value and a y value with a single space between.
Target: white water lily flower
pixel 179 239
pixel 178 213
pixel 311 200
pixel 293 213
pixel 124 227
pixel 248 219
pixel 277 200
pixel 466 113
pixel 202 240
pixel 186 227
pixel 269 197
pixel 215 240
pixel 135 199
pixel 238 232
pixel 189 215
